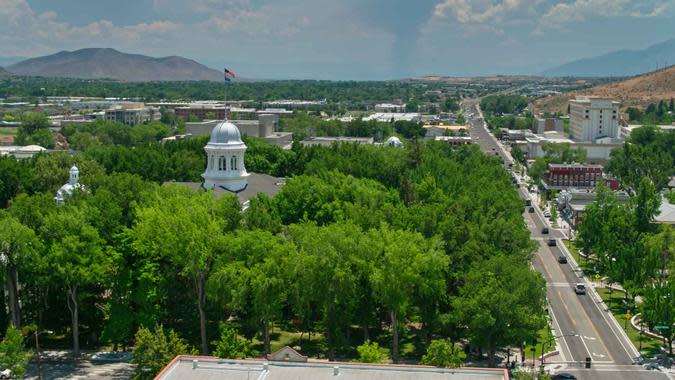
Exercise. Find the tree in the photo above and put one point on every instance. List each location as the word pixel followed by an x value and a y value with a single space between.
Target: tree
pixel 230 346
pixel 517 153
pixel 250 278
pixel 18 247
pixel 502 303
pixel 155 349
pixel 370 352
pixel 450 105
pixel 76 257
pixel 13 355
pixel 188 230
pixel 35 130
pixel 408 266
pixel 444 353
pixel 460 119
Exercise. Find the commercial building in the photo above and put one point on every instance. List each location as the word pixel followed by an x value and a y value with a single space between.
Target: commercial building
pixel 455 140
pixel 572 203
pixel 390 117
pixel 132 113
pixel 202 111
pixel 596 152
pixel 21 152
pixel 328 141
pixel 388 107
pixel 579 176
pixel 289 364
pixel 541 125
pixel 592 118
pixel 444 130
pixel 626 130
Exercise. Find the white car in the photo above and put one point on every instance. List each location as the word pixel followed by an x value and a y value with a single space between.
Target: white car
pixel 6 374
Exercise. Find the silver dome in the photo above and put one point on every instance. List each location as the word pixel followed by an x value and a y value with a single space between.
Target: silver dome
pixel 225 133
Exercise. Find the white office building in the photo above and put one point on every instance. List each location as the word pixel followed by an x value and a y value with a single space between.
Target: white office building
pixel 592 118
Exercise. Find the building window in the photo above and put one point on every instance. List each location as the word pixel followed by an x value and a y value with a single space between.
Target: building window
pixel 222 163
pixel 233 163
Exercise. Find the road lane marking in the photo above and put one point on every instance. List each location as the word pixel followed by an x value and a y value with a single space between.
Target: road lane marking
pixel 567 309
pixel 595 330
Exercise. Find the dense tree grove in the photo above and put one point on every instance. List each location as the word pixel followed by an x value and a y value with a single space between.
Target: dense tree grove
pixel 622 238
pixel 503 104
pixel 362 244
pixel 253 91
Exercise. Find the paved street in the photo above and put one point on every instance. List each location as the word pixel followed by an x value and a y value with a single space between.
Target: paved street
pixel 590 330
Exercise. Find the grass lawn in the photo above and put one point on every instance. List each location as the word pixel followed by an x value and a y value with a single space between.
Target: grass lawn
pixel 650 346
pixel 585 265
pixel 544 335
pixel 9 131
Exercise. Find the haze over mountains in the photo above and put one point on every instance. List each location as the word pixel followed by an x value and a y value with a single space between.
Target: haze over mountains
pixel 4 73
pixel 619 63
pixel 98 63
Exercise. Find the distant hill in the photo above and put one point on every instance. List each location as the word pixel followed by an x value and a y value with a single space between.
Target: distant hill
pixel 4 73
pixel 620 63
pixel 97 63
pixel 636 91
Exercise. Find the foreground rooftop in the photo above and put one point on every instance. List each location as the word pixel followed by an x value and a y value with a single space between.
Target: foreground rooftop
pixel 209 368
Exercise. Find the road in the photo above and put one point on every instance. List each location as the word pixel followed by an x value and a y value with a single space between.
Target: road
pixel 590 330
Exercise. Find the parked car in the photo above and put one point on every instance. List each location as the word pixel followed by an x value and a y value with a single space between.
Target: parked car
pixel 530 210
pixel 544 230
pixel 563 376
pixel 580 288
pixel 6 374
pixel 552 243
pixel 562 259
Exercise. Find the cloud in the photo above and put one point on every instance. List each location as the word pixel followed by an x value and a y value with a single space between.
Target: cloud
pixel 480 12
pixel 562 14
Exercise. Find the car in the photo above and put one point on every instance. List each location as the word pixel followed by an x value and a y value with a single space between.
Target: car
pixel 6 374
pixel 563 376
pixel 547 214
pixel 544 230
pixel 530 210
pixel 580 288
pixel 552 243
pixel 562 259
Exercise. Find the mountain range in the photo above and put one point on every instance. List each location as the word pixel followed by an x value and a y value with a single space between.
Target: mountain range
pixel 100 63
pixel 619 63
pixel 637 91
pixel 4 73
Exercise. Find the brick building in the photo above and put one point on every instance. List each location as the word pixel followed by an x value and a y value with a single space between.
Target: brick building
pixel 566 176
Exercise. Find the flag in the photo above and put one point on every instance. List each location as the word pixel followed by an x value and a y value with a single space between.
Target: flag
pixel 228 75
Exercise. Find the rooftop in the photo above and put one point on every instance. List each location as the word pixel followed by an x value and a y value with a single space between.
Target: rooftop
pixel 257 183
pixel 209 368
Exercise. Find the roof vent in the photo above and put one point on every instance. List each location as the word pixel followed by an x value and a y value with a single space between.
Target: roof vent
pixel 336 370
pixel 194 364
pixel 266 366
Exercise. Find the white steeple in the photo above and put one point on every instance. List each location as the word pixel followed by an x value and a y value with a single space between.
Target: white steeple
pixel 74 175
pixel 225 159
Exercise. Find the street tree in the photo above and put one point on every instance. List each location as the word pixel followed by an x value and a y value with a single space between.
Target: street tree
pixel 444 353
pixel 502 303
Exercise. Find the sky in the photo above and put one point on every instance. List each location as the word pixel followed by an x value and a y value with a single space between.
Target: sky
pixel 342 39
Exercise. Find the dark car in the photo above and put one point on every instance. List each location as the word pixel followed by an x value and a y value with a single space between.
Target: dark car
pixel 562 259
pixel 544 230
pixel 563 376
pixel 552 243
pixel 530 210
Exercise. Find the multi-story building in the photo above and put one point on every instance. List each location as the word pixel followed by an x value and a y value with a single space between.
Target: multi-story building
pixel 566 176
pixel 541 125
pixel 132 113
pixel 592 118
pixel 202 112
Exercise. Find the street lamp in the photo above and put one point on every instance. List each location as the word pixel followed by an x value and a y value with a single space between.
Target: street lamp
pixel 37 350
pixel 546 342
